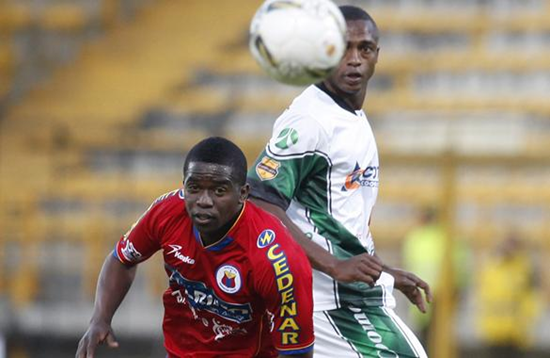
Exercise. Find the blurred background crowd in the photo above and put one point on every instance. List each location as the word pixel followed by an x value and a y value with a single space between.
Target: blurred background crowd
pixel 100 100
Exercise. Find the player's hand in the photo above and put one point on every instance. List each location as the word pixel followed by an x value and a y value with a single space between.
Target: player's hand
pixel 97 333
pixel 363 268
pixel 412 287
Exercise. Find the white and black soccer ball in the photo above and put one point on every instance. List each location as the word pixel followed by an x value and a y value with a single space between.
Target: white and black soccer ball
pixel 298 42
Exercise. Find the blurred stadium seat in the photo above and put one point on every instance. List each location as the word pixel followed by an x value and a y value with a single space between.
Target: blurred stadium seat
pixel 100 100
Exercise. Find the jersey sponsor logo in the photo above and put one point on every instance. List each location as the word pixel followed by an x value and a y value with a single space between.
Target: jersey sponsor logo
pixel 289 328
pixel 223 330
pixel 287 138
pixel 266 238
pixel 129 251
pixel 201 297
pixel 220 330
pixel 372 334
pixel 177 254
pixel 361 177
pixel 267 168
pixel 228 278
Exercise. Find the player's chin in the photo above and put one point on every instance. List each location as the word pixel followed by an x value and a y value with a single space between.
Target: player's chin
pixel 205 224
pixel 207 229
pixel 351 86
pixel 351 90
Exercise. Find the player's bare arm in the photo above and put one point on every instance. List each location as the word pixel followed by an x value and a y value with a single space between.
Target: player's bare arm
pixel 364 268
pixel 114 282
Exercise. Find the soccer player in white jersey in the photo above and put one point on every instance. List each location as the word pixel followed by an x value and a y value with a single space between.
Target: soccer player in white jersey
pixel 319 174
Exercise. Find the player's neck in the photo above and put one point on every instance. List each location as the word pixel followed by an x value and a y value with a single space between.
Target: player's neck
pixel 348 101
pixel 355 101
pixel 209 239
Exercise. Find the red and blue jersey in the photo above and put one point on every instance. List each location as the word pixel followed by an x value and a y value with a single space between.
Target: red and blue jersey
pixel 247 295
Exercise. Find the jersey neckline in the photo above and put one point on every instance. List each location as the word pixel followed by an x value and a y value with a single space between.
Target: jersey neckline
pixel 225 240
pixel 337 99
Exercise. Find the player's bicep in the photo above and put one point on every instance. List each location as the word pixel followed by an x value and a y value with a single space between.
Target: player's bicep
pixel 266 184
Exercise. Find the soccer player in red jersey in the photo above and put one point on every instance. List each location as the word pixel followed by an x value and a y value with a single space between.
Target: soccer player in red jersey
pixel 239 285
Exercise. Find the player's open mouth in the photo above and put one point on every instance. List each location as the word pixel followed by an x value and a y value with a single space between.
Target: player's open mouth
pixel 353 76
pixel 202 218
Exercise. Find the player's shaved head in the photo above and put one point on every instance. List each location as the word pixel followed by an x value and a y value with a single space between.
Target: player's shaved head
pixel 354 13
pixel 218 150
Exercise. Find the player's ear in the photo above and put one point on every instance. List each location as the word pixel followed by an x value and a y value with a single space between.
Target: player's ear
pixel 245 189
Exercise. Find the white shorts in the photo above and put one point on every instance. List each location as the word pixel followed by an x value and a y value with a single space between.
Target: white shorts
pixel 364 332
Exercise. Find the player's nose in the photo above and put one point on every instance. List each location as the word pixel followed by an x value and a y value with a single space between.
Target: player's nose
pixel 353 57
pixel 205 199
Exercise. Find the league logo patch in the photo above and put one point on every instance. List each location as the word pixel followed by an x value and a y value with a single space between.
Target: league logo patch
pixel 228 278
pixel 267 168
pixel 266 238
pixel 287 138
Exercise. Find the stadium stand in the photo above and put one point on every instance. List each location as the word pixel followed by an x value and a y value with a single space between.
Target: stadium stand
pixel 100 100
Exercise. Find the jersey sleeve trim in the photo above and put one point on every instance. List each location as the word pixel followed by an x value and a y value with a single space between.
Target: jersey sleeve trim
pixel 267 193
pixel 306 349
pixel 115 254
pixel 298 155
pixel 121 260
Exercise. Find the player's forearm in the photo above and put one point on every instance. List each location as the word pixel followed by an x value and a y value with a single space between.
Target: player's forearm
pixel 114 282
pixel 319 258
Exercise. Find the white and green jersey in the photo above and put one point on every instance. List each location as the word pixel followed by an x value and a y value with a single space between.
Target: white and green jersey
pixel 321 165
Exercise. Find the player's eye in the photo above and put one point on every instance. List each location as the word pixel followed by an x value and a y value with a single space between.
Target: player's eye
pixel 191 188
pixel 366 49
pixel 220 190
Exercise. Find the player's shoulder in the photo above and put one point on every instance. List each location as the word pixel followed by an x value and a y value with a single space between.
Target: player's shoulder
pixel 315 104
pixel 301 129
pixel 259 219
pixel 266 229
pixel 305 104
pixel 176 195
pixel 310 99
pixel 169 201
pixel 308 114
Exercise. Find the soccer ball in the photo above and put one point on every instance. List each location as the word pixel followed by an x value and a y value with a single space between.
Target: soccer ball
pixel 298 42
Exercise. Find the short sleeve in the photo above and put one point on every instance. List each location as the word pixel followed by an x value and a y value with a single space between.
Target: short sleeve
pixel 291 157
pixel 284 281
pixel 142 240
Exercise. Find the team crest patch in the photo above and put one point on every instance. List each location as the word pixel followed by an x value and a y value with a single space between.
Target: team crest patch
pixel 228 278
pixel 287 138
pixel 267 168
pixel 266 238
